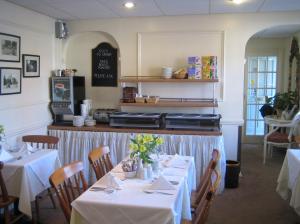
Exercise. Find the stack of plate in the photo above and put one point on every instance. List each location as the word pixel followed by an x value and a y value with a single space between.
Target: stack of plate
pixel 90 122
pixel 78 121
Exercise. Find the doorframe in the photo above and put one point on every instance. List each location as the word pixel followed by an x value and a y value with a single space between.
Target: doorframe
pixel 281 63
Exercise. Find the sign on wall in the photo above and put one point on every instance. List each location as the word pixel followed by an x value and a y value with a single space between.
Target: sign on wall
pixel 104 65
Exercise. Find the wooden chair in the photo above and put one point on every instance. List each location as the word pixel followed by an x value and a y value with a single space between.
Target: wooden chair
pixel 205 179
pixel 100 161
pixel 202 209
pixel 277 138
pixel 6 201
pixel 69 183
pixel 42 142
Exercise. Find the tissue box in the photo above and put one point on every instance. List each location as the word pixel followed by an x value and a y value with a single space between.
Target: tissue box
pixel 209 67
pixel 195 60
pixel 194 72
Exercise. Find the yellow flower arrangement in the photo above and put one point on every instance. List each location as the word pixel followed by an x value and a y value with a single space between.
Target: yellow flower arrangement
pixel 144 144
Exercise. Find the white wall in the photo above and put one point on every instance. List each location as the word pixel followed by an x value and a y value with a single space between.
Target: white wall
pixel 238 28
pixel 78 53
pixel 27 112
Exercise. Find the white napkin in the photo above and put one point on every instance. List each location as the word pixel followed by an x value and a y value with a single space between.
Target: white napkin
pixel 5 156
pixel 175 162
pixel 161 184
pixel 110 181
pixel 27 148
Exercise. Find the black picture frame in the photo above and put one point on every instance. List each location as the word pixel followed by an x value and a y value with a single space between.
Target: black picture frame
pixel 10 81
pixel 31 66
pixel 10 46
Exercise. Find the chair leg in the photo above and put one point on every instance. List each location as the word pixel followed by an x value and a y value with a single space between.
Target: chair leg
pixel 6 215
pixel 51 197
pixel 265 152
pixel 16 204
pixel 37 209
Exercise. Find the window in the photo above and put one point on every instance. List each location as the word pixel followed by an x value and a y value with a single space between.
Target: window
pixel 262 74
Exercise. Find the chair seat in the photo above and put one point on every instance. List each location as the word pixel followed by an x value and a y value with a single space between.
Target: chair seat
pixel 278 137
pixel 10 200
pixel 193 199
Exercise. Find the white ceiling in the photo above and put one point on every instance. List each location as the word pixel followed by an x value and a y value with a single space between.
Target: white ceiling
pixel 92 9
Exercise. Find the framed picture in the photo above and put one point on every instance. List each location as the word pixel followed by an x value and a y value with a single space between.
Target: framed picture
pixel 10 47
pixel 31 65
pixel 10 81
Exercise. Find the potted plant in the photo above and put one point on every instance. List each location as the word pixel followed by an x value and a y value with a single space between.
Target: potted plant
pixel 283 102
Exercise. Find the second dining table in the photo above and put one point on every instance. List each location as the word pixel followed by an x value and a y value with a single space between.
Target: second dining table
pixel 289 179
pixel 133 204
pixel 27 176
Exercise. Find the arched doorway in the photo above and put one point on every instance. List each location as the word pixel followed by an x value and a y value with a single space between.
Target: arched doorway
pixel 266 73
pixel 78 54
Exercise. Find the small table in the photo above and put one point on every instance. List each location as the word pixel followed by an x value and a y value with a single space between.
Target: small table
pixel 132 205
pixel 27 177
pixel 289 178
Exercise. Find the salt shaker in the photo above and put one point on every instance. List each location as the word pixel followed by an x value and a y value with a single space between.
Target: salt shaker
pixel 149 171
pixel 140 170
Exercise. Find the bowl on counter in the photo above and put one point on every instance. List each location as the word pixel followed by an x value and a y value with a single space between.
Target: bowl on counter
pixel 139 99
pixel 90 122
pixel 130 174
pixel 152 99
pixel 78 121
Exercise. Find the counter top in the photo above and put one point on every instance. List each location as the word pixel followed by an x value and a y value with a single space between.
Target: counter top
pixel 107 128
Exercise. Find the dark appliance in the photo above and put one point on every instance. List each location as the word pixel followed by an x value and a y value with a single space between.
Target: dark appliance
pixel 67 93
pixel 102 115
pixel 129 94
pixel 135 120
pixel 201 122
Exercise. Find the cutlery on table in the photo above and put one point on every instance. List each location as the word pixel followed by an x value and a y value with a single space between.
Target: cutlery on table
pixel 158 192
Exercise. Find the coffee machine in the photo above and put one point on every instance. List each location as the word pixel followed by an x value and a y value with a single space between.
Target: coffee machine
pixel 67 93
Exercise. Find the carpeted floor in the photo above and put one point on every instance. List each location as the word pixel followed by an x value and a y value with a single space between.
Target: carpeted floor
pixel 255 201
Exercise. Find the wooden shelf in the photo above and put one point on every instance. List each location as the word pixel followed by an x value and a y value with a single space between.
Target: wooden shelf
pixel 135 79
pixel 172 104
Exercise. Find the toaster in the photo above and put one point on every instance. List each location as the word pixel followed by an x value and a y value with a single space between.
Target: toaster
pixel 102 115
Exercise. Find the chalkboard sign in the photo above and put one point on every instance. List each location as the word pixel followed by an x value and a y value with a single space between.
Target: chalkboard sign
pixel 104 65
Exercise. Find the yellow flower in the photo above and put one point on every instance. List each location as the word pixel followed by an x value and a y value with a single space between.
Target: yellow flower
pixel 143 148
pixel 159 141
pixel 133 147
pixel 139 139
pixel 148 138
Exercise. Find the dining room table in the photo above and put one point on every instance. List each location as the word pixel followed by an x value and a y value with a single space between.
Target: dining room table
pixel 289 179
pixel 135 202
pixel 27 175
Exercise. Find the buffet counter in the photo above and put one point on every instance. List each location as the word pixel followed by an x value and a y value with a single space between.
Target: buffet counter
pixel 107 128
pixel 76 143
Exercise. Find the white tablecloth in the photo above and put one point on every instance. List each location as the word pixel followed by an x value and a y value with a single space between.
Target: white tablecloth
pixel 76 145
pixel 131 205
pixel 29 176
pixel 289 179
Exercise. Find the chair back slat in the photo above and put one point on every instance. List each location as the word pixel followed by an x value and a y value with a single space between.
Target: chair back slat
pixel 41 141
pixel 100 161
pixel 64 180
pixel 202 210
pixel 2 184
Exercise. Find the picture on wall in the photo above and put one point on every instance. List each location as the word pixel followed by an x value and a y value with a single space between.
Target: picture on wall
pixel 31 65
pixel 10 81
pixel 10 47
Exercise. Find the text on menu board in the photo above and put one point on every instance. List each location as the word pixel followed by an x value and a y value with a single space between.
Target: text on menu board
pixel 104 65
